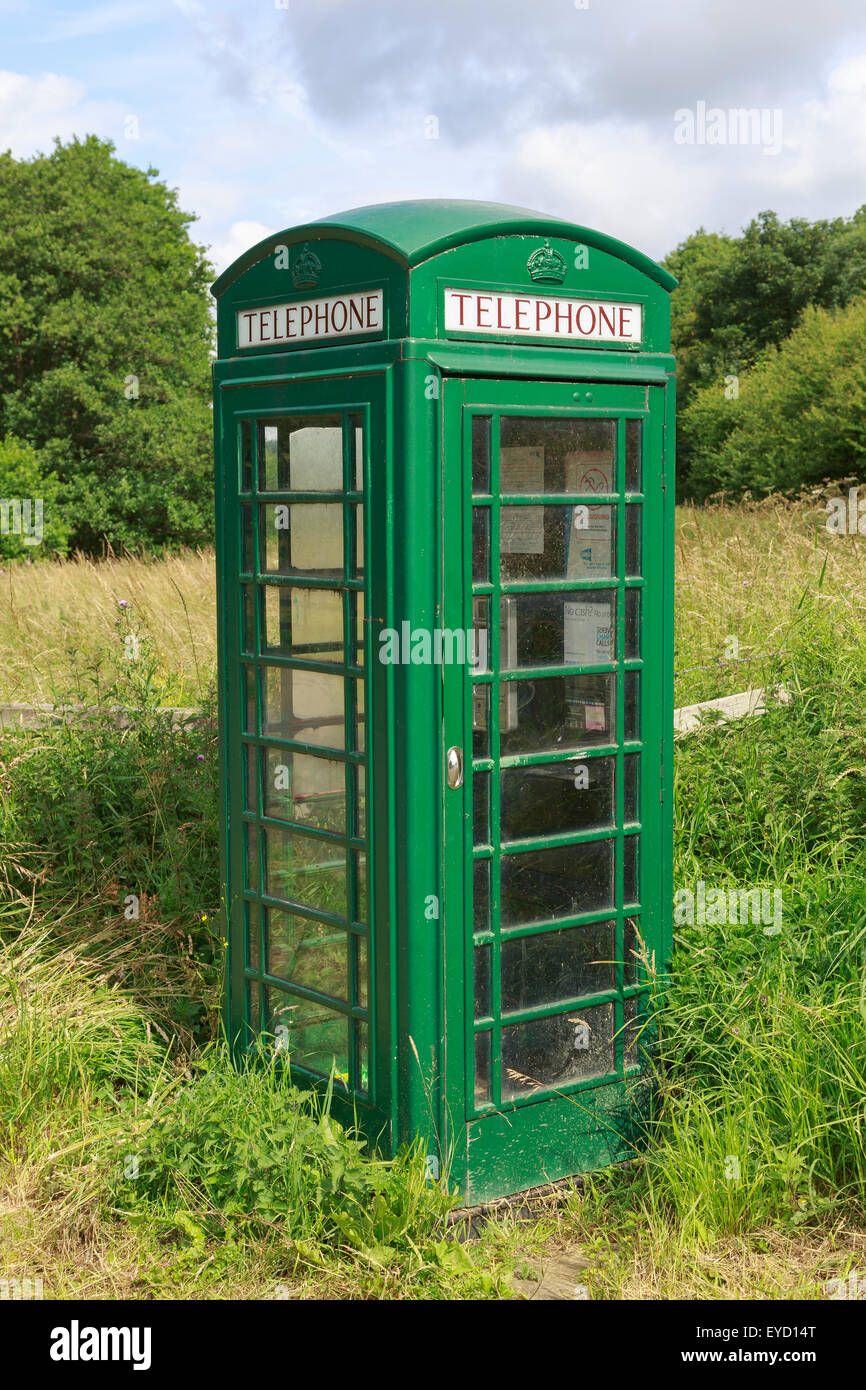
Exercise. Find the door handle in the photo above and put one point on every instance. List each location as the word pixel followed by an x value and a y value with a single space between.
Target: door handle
pixel 454 767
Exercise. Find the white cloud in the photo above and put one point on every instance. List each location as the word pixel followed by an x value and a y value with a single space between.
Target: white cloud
pixel 33 110
pixel 633 181
pixel 241 236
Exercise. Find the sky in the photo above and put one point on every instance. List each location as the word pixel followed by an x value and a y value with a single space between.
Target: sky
pixel 615 114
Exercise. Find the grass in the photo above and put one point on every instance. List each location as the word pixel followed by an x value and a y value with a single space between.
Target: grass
pixel 60 624
pixel 134 1163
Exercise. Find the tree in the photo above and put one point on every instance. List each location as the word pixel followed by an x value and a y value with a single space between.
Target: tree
pixel 105 341
pixel 739 296
pixel 800 416
pixel 32 524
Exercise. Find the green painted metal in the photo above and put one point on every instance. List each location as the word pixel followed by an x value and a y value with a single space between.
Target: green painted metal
pixel 388 982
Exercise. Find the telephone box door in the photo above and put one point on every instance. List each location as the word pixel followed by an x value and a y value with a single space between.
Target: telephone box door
pixel 555 535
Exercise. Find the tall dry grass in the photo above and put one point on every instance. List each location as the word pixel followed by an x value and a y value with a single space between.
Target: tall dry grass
pixel 741 572
pixel 61 623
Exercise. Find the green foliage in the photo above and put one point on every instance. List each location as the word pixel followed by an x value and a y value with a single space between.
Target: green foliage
pixel 800 416
pixel 740 296
pixel 249 1145
pixel 105 336
pixel 23 478
pixel 763 1061
pixel 109 808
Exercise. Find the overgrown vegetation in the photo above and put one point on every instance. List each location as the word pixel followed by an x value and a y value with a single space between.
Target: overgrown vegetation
pixel 135 1162
pixel 105 338
pixel 738 300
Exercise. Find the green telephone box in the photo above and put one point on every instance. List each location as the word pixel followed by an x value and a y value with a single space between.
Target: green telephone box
pixel 444 461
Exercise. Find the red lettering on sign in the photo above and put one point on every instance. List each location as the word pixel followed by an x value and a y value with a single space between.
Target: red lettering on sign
pixel 499 323
pixel 306 317
pixel 322 317
pixel 339 304
pixel 461 297
pixel 291 315
pixel 622 332
pixel 249 318
pixel 519 306
pixel 539 305
pixel 371 311
pixel 609 319
pixel 580 309
pixel 562 311
pixel 355 313
pixel 478 309
pixel 264 337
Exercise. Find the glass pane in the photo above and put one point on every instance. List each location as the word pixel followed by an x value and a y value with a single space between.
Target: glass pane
pixel 307 953
pixel 630 868
pixel 479 648
pixel 547 455
pixel 631 1035
pixel 356 443
pixel 555 798
pixel 481 808
pixel 246 456
pixel 543 884
pixel 359 946
pixel 310 872
pixel 254 950
pixel 362 1056
pixel 633 514
pixel 483 1006
pixel 558 712
pixel 247 538
pixel 554 1051
pixel 313 1037
pixel 357 527
pixel 306 538
pixel 632 623
pixel 556 629
pixel 356 627
pixel 360 816
pixel 557 542
pixel 633 430
pixel 633 951
pixel 482 1068
pixel 254 1007
pixel 481 453
pixel 248 699
pixel 305 623
pixel 480 721
pixel 481 544
pixel 301 453
pixel 248 620
pixel 557 965
pixel 251 778
pixel 360 717
pixel 481 895
pixel 299 787
pixel 632 704
pixel 251 859
pixel 361 910
pixel 631 763
pixel 306 706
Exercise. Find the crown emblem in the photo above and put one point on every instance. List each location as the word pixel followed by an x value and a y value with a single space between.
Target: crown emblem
pixel 307 269
pixel 546 266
